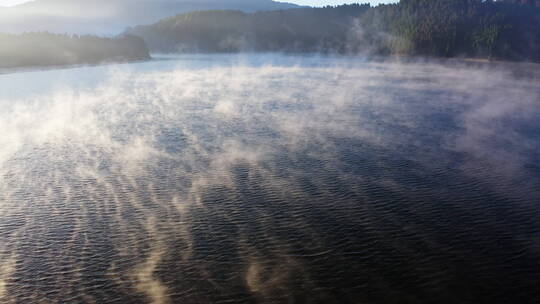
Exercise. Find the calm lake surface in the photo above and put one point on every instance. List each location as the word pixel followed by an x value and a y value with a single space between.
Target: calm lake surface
pixel 270 179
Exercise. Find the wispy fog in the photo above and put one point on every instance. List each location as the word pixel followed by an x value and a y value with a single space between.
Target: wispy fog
pixel 204 179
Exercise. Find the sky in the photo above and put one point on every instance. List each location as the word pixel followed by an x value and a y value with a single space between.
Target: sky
pixel 301 2
pixel 11 2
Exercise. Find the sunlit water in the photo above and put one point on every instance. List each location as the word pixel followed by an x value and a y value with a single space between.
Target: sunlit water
pixel 270 179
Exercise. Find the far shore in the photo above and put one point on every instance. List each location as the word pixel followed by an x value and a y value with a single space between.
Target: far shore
pixel 37 68
pixel 527 69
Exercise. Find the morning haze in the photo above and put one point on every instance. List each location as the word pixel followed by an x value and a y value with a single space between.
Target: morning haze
pixel 260 152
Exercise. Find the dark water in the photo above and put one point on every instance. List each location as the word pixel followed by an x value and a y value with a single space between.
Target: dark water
pixel 270 179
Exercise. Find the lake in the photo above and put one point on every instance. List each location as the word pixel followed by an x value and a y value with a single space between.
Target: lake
pixel 270 179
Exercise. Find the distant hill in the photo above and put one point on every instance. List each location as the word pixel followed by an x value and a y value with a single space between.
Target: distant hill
pixel 295 30
pixel 506 29
pixel 108 17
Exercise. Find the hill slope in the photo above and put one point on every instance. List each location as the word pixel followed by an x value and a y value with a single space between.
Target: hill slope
pixel 297 30
pixel 508 29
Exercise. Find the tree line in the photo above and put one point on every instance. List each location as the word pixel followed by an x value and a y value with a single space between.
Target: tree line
pixel 505 29
pixel 42 49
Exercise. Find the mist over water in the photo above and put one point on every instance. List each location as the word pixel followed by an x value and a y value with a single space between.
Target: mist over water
pixel 270 179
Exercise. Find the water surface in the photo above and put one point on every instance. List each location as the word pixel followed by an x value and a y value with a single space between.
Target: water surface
pixel 270 179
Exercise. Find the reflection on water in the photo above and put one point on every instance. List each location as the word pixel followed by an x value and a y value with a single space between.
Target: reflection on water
pixel 273 179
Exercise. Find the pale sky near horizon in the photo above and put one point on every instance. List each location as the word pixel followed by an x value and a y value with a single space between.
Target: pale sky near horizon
pixel 11 2
pixel 300 2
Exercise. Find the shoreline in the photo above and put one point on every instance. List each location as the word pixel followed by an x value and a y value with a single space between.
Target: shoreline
pixel 39 68
pixel 457 61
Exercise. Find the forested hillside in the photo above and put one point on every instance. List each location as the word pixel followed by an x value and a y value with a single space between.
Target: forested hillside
pixel 508 29
pixel 42 49
pixel 308 29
